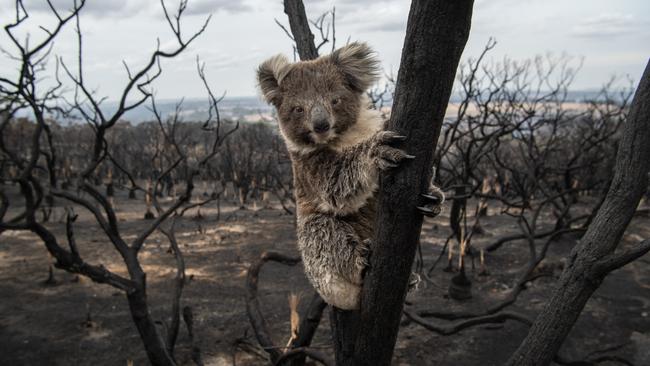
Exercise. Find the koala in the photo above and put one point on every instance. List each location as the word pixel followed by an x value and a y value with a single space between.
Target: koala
pixel 338 147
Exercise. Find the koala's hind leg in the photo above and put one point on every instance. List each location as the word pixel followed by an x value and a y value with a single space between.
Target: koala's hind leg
pixel 334 258
pixel 432 202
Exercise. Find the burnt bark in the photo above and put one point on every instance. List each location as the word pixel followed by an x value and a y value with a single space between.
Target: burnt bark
pixel 594 257
pixel 299 25
pixel 345 329
pixel 154 343
pixel 436 34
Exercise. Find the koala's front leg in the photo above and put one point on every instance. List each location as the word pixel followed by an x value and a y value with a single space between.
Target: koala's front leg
pixel 334 258
pixel 383 152
pixel 388 156
pixel 346 179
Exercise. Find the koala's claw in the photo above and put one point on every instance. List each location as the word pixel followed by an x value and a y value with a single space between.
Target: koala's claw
pixel 389 137
pixel 434 199
pixel 384 165
pixel 390 157
pixel 432 202
pixel 429 212
pixel 385 155
pixel 414 281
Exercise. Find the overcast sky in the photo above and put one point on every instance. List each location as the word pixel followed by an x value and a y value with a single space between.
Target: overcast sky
pixel 612 36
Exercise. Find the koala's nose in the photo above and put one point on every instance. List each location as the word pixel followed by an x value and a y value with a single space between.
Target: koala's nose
pixel 321 126
pixel 319 119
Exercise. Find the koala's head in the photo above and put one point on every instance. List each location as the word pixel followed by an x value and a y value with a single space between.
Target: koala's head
pixel 319 100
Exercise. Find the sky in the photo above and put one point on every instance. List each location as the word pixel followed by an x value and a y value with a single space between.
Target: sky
pixel 611 37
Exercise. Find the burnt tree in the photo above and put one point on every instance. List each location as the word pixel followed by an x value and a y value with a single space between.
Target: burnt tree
pixel 436 34
pixel 37 166
pixel 595 256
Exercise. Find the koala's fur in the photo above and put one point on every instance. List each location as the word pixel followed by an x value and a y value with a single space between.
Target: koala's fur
pixel 336 171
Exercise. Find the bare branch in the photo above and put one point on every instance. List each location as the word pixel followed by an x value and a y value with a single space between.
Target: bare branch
pixel 461 325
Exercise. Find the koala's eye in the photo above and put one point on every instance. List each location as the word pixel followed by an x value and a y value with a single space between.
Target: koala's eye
pixel 336 101
pixel 298 109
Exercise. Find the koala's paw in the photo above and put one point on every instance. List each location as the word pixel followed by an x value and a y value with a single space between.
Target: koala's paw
pixel 385 155
pixel 362 254
pixel 432 202
pixel 414 282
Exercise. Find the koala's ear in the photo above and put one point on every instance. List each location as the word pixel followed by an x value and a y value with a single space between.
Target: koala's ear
pixel 270 75
pixel 359 65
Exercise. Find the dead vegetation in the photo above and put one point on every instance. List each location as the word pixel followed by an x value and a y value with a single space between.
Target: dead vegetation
pixel 191 222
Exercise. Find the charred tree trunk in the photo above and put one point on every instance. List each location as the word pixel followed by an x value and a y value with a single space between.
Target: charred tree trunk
pixel 151 338
pixel 299 25
pixel 594 257
pixel 436 34
pixel 345 328
pixel 458 207
pixel 243 195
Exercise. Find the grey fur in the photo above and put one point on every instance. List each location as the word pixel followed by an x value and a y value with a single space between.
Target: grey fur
pixel 335 172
